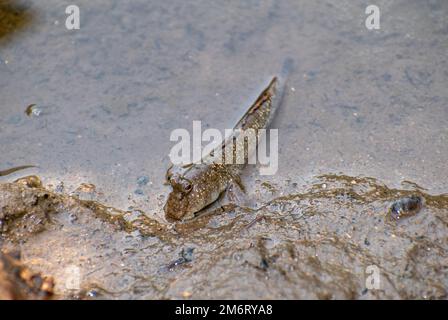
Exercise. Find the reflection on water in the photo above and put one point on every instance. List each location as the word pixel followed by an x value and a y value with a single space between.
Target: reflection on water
pixel 360 102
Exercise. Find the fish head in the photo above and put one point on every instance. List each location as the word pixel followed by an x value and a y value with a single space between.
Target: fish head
pixel 191 192
pixel 179 203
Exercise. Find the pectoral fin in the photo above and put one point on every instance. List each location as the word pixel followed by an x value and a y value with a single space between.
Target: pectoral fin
pixel 236 194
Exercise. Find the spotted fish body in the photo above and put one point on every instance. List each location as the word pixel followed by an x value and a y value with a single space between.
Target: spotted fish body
pixel 195 186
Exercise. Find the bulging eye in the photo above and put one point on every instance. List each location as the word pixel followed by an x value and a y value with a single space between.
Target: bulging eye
pixel 186 185
pixel 181 184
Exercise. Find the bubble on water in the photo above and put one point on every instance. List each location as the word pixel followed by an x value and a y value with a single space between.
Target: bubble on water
pixel 33 111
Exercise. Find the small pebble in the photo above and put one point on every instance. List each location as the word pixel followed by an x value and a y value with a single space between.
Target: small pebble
pixel 30 181
pixel 72 217
pixel 92 293
pixel 60 187
pixel 86 188
pixel 139 192
pixel 187 254
pixel 264 264
pixel 407 206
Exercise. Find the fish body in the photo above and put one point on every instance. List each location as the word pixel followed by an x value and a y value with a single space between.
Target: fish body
pixel 197 185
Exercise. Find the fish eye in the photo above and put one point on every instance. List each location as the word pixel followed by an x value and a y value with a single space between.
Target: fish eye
pixel 180 183
pixel 187 185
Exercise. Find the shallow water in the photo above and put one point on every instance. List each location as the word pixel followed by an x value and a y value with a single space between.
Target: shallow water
pixel 361 103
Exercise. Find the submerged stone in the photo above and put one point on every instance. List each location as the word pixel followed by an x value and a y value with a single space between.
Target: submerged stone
pixel 407 206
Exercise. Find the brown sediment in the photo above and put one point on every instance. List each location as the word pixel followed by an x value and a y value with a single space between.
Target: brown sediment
pixel 17 282
pixel 14 18
pixel 313 244
pixel 25 211
pixel 28 208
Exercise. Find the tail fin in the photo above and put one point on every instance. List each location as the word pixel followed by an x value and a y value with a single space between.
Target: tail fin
pixel 275 89
pixel 282 79
pixel 287 69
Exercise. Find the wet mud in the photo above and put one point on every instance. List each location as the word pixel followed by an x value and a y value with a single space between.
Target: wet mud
pixel 312 244
pixel 17 282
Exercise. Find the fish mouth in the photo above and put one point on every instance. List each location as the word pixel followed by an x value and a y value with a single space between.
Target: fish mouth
pixel 174 213
pixel 176 218
pixel 176 207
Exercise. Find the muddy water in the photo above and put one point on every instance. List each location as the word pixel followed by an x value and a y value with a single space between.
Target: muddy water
pixel 359 104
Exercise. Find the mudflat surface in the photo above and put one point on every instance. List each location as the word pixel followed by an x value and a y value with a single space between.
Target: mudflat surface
pixel 363 124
